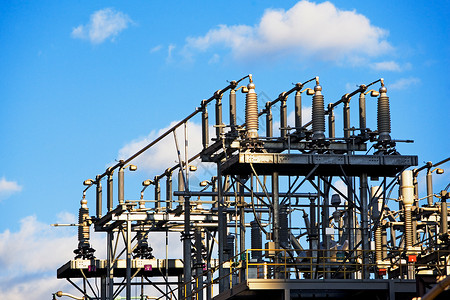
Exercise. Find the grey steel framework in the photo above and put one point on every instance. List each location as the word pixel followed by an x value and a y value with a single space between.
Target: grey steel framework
pixel 272 223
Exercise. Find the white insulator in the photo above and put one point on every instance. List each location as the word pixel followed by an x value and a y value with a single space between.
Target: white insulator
pixel 407 188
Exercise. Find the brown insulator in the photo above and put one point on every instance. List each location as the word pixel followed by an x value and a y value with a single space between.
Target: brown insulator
pixel 318 114
pixel 251 112
pixel 383 116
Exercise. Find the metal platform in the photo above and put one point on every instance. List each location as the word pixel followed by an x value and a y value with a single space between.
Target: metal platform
pixel 91 268
pixel 318 164
pixel 320 289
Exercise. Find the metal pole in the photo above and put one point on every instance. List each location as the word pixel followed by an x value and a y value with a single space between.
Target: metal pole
pixel 221 229
pixel 362 112
pixel 109 191
pixel 331 121
pixel 208 266
pixel 103 288
pixel 233 111
pixel 199 263
pixel 128 290
pixel 219 128
pixel 121 185
pixel 298 110
pixel 276 216
pixel 429 187
pixel 99 197
pixel 346 118
pixel 180 185
pixel 241 218
pixel 110 266
pixel 187 247
pixel 157 192
pixel 283 118
pixel 269 121
pixel 205 128
pixel 363 188
pixel 169 190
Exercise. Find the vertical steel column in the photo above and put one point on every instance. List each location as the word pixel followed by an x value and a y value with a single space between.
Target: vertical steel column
pixel 157 192
pixel 103 294
pixel 199 263
pixel 109 191
pixel 187 256
pixel 350 215
pixel 362 112
pixel 110 265
pixel 180 186
pixel 331 122
pixel 120 188
pixel 346 111
pixel 269 121
pixel 283 118
pixel 241 217
pixel 325 224
pixel 208 266
pixel 430 194
pixel 298 110
pixel 233 111
pixel 205 126
pixel 312 226
pixel 276 216
pixel 222 230
pixel 363 188
pixel 444 217
pixel 219 125
pixel 99 197
pixel 128 279
pixel 168 189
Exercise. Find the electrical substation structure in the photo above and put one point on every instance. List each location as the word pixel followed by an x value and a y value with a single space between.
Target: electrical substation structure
pixel 272 222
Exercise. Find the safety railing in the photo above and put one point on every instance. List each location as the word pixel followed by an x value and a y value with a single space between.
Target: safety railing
pixel 313 264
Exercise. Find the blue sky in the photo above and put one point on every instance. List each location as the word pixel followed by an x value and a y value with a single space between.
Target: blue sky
pixel 82 83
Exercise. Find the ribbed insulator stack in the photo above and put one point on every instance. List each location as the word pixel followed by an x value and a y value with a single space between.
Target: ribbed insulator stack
pixel 378 244
pixel 408 228
pixel 318 114
pixel 256 240
pixel 383 116
pixel 83 229
pixel 142 238
pixel 251 111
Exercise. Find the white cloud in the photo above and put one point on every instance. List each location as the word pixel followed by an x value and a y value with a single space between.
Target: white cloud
pixel 104 24
pixel 163 155
pixel 170 49
pixel 386 66
pixel 306 30
pixel 156 49
pixel 214 59
pixel 403 83
pixel 390 66
pixel 7 188
pixel 30 256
